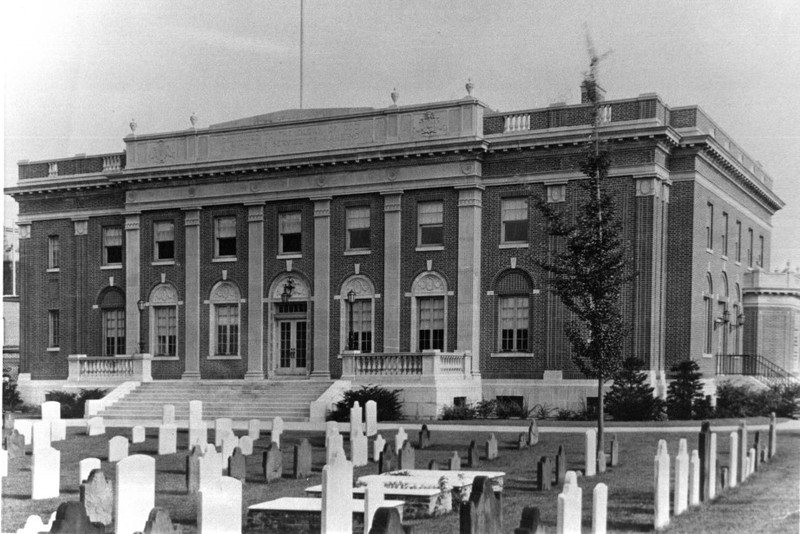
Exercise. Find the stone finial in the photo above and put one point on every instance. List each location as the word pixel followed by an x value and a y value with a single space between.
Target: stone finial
pixel 193 120
pixel 469 86
pixel 395 95
pixel 133 126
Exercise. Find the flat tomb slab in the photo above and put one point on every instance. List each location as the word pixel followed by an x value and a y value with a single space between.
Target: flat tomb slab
pixel 297 515
pixel 419 502
pixel 460 481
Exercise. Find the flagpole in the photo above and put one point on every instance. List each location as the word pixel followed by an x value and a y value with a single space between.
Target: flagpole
pixel 301 54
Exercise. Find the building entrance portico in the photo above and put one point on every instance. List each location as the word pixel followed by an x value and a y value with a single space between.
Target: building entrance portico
pixel 288 327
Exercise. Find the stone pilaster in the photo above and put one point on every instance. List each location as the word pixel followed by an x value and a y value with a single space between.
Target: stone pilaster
pixel 192 295
pixel 470 202
pixel 255 293
pixel 133 329
pixel 322 288
pixel 391 272
pixel 82 307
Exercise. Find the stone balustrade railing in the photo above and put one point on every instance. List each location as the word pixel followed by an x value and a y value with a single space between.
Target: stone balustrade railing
pixel 112 163
pixel 516 122
pixel 121 368
pixel 430 364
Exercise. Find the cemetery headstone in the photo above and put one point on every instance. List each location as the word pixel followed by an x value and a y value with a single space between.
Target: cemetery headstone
pixel 681 497
pixel 570 502
pixel 272 463
pixel 137 434
pixel 712 467
pixel 599 509
pixel 254 429
pixel 601 462
pixel 433 465
pixel 333 446
pixel 733 458
pixel 15 444
pixel 51 410
pixel 219 509
pixel 95 426
pixel 276 431
pixel 159 522
pixel 399 439
pixel 530 522
pixel 85 468
pixel 237 465
pixel 3 463
pixel 168 414
pixel 724 478
pixel 302 459
pixel 704 448
pixel 371 418
pixel 614 451
pixel 590 447
pixel 387 521
pixel 662 471
pixel 742 450
pixel 373 500
pixel 561 465
pixel 522 442
pixel 246 444
pixel 229 442
pixel 544 474
pixel 533 433
pixel 356 416
pixel 58 430
pixel 337 504
pixel 222 427
pixel 482 513
pixel 377 448
pixel 472 455
pixel 45 473
pixel 195 411
pixel 25 428
pixel 455 462
pixel 134 492
pixel 388 460
pixel 491 448
pixel 757 446
pixel 167 439
pixel 773 435
pixel 751 461
pixel 193 469
pixel 424 437
pixel 198 434
pixel 359 450
pixel 407 459
pixel 117 448
pixel 71 517
pixel 40 435
pixel 97 496
pixel 210 468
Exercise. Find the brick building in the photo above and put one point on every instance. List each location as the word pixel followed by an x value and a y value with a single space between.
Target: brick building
pixel 353 243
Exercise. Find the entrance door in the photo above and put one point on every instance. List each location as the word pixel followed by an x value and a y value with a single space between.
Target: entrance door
pixel 292 346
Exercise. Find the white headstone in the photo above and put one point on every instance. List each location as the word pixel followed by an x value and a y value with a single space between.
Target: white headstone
pixel 373 499
pixel 377 448
pixel 333 445
pixel 599 509
pixel 229 442
pixel 195 411
pixel 246 445
pixel 117 448
pixel 331 427
pixel 681 479
pixel 58 430
pixel 51 411
pixel 590 442
pixel 219 509
pixel 570 502
pixel 3 463
pixel 359 450
pixel 95 426
pixel 751 461
pixel 337 495
pixel 210 467
pixel 712 467
pixel 356 415
pixel 222 426
pixel 694 479
pixel 167 439
pixel 168 414
pixel 45 473
pixel 24 427
pixel 85 468
pixel 661 466
pixel 198 433
pixel 400 438
pixel 34 525
pixel 134 493
pixel 371 416
pixel 733 472
pixel 41 435
pixel 254 429
pixel 276 431
pixel 137 434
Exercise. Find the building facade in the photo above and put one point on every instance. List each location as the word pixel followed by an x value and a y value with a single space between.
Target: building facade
pixel 348 243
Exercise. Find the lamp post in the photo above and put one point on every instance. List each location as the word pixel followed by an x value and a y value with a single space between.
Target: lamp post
pixel 351 298
pixel 141 305
pixel 288 289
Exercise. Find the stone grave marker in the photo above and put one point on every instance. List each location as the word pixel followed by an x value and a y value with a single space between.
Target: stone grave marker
pixel 219 507
pixel 272 462
pixel 773 435
pixel 198 434
pixel 742 450
pixel 159 522
pixel 757 446
pixel 388 460
pixel 530 521
pixel 210 468
pixel 356 416
pixel 167 439
pixel 334 445
pixel 193 469
pixel 472 455
pixel 302 459
pixel 724 477
pixel 482 513
pixel 331 427
pixel 712 467
pixel 3 463
pixel 371 418
pixel 614 451
pixel 694 478
pixel 58 430
pixel 681 497
pixel 35 525
pixel 40 435
pixel 599 509
pixel 117 448
pixel 662 471
pixel 359 450
pixel 590 447
pixel 561 465
pixel 522 442
pixel 15 444
pixel 71 517
pixel 229 442
pixel 134 492
pixel 454 462
pixel 533 433
pixel 97 496
pixel 387 521
pixel 751 461
pixel 544 474
pixel 733 458
pixel 704 449
pixel 400 438
pixel 407 459
pixel 433 465
pixel 491 447
pixel 254 429
pixel 168 414
pixel 337 495
pixel 137 434
pixel 246 444
pixel 85 468
pixel 195 411
pixel 237 465
pixel 764 457
pixel 276 431
pixel 45 473
pixel 373 500
pixel 601 462
pixel 95 426
pixel 377 448
pixel 424 437
pixel 222 426
pixel 25 428
pixel 51 411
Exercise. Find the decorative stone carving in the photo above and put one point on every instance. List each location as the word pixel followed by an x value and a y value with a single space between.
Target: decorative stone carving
pixel 556 192
pixel 395 95
pixel 359 284
pixel 81 227
pixel 225 292
pixel 430 283
pixel 164 294
pixel 133 125
pixel 161 151
pixel 24 231
pixel 469 86
pixel 646 186
pixel 300 291
pixel 429 125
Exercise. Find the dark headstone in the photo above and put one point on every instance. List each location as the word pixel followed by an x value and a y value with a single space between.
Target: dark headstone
pixel 97 498
pixel 704 450
pixel 15 443
pixel 387 521
pixel 763 455
pixel 193 469
pixel 71 518
pixel 743 449
pixel 529 523
pixel 522 441
pixel 272 462
pixel 533 433
pixel 302 459
pixel 455 462
pixel 482 513
pixel 472 455
pixel 237 465
pixel 561 465
pixel 544 474
pixel 408 457
pixel 602 462
pixel 757 447
pixel 723 478
pixel 159 522
pixel 773 435
pixel 433 465
pixel 614 451
pixel 424 437
pixel 388 460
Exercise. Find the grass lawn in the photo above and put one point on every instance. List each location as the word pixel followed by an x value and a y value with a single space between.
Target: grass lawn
pixel 768 502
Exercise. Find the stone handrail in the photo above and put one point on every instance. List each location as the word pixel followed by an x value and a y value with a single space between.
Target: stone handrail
pixel 406 364
pixel 120 368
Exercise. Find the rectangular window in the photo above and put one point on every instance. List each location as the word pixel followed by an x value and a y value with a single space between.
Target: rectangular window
pixel 112 245
pixel 289 229
pixel 53 254
pixel 225 237
pixel 710 227
pixel 750 247
pixel 738 240
pixel 360 332
pixel 227 320
pixel 431 323
pixel 358 234
pixel 430 217
pixel 709 311
pixel 513 315
pixel 724 234
pixel 514 213
pixel 53 329
pixel 114 331
pixel 166 318
pixel 164 237
pixel 761 251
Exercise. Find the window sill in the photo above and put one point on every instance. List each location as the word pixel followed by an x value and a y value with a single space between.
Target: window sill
pixel 512 355
pixel 54 270
pixel 110 267
pixel 513 245
pixel 357 252
pixel 53 349
pixel 163 262
pixel 429 248
pixel 708 355
pixel 237 357
pixel 289 256
pixel 223 260
pixel 165 358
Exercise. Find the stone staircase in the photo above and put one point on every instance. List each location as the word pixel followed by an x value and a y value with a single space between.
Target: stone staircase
pixel 237 399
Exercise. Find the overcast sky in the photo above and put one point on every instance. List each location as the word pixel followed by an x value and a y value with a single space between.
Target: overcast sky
pixel 78 71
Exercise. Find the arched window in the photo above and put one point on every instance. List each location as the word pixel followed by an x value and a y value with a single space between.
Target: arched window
pixel 429 312
pixel 708 311
pixel 513 290
pixel 164 321
pixel 224 317
pixel 358 313
pixel 112 308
